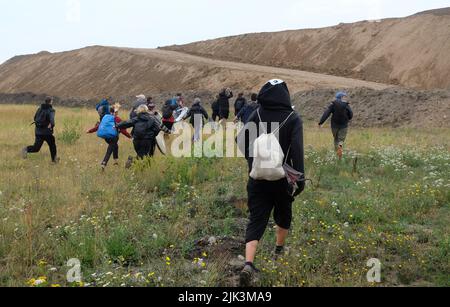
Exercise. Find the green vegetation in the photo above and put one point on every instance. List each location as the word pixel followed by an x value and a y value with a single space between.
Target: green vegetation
pixel 180 222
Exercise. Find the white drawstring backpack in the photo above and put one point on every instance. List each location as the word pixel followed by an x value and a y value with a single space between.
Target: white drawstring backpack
pixel 268 156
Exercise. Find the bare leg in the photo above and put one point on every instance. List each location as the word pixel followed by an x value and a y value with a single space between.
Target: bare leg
pixel 281 236
pixel 250 251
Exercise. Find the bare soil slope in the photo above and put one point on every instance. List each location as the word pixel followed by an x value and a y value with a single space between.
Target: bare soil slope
pixel 95 72
pixel 411 52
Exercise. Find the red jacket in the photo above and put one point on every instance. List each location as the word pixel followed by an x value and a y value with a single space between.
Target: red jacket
pixel 118 120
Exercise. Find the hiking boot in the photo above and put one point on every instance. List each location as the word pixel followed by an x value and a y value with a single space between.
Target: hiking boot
pixel 129 163
pixel 24 153
pixel 247 276
pixel 279 252
pixel 340 152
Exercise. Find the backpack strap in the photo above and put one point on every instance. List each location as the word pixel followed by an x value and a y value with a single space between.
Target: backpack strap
pixel 279 128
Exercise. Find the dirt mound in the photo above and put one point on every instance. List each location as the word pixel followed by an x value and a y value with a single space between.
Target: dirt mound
pixel 411 52
pixel 391 107
pixel 96 72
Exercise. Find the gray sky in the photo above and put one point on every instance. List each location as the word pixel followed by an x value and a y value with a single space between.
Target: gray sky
pixel 30 26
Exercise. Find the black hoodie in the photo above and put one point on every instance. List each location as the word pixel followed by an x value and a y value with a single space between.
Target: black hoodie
pixel 196 109
pixel 275 107
pixel 45 111
pixel 145 127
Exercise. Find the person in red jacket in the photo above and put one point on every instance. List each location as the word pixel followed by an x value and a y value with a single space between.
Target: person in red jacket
pixel 113 144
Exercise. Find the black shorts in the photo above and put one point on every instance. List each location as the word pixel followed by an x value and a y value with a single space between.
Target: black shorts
pixel 263 198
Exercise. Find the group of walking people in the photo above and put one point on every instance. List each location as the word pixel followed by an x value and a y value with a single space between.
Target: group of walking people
pixel 270 189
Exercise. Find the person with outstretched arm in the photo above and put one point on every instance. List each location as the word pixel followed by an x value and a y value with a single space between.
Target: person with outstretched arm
pixel 44 120
pixel 342 115
pixel 145 131
pixel 264 197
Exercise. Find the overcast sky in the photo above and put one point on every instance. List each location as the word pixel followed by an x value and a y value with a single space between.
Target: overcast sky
pixel 30 26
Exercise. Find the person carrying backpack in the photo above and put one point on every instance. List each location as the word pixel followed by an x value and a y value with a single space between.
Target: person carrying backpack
pixel 170 106
pixel 146 129
pixel 224 103
pixel 110 134
pixel 44 120
pixel 239 103
pixel 248 110
pixel 271 186
pixel 196 115
pixel 342 115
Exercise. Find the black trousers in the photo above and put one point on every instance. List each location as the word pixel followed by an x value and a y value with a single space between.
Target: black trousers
pixel 39 141
pixel 113 149
pixel 263 198
pixel 144 148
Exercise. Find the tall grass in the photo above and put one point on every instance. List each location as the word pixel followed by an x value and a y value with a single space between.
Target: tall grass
pixel 147 226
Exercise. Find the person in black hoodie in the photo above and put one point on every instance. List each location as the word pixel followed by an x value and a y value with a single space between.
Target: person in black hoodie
pixel 44 120
pixel 267 196
pixel 224 103
pixel 215 109
pixel 196 115
pixel 145 131
pixel 239 103
pixel 342 115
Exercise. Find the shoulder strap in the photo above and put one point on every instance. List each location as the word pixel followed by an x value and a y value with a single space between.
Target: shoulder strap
pixel 281 125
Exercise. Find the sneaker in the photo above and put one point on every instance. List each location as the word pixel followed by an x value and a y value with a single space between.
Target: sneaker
pixel 247 276
pixel 340 152
pixel 116 163
pixel 24 153
pixel 129 162
pixel 278 253
pixel 56 161
pixel 103 167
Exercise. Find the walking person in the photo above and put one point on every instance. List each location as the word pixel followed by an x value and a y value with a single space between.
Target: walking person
pixel 268 188
pixel 111 138
pixel 145 131
pixel 215 109
pixel 239 103
pixel 342 115
pixel 44 120
pixel 247 110
pixel 196 114
pixel 224 103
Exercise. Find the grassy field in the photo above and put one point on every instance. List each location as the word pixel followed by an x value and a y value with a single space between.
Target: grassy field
pixel 151 226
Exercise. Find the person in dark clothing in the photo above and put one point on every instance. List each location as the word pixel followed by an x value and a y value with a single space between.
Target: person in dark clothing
pixel 146 129
pixel 239 103
pixel 215 109
pixel 196 115
pixel 267 196
pixel 44 120
pixel 248 109
pixel 224 103
pixel 342 115
pixel 170 106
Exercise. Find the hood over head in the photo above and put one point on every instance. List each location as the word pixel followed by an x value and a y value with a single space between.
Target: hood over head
pixel 275 95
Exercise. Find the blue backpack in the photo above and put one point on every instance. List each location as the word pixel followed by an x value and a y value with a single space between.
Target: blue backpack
pixel 107 128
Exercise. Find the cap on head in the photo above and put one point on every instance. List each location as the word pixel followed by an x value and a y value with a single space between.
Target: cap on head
pixel 341 95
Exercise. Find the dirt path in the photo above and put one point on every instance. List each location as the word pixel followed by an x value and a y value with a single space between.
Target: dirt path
pixel 299 80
